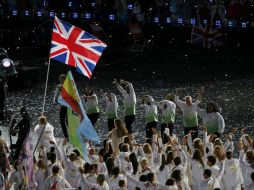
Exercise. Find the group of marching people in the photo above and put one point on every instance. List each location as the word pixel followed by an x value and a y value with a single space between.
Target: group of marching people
pixel 200 160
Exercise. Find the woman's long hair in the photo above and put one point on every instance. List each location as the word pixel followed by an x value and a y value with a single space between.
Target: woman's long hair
pixel 147 148
pixel 110 164
pixel 214 107
pixel 250 157
pixel 134 162
pixel 198 157
pixel 176 174
pixel 163 162
pixel 120 128
pixel 198 144
pixel 219 153
pixel 170 157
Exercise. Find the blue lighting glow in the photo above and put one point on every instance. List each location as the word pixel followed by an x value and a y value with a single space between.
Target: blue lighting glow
pixel 14 12
pixel 87 15
pixel 156 20
pixel 26 13
pixel 39 13
pixel 193 21
pixel 51 14
pixel 168 20
pixel 111 17
pixel 230 23
pixel 244 25
pixel 218 23
pixel 75 15
pixel 180 20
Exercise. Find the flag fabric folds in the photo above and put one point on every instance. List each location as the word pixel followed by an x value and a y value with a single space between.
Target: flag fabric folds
pixel 27 159
pixel 75 47
pixel 80 127
pixel 206 35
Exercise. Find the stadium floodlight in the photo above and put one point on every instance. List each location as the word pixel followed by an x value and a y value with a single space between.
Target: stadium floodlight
pixel 7 68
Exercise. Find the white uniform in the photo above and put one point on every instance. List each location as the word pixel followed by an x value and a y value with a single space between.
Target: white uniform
pixel 91 104
pixel 48 135
pixel 213 121
pixel 168 111
pixel 146 185
pixel 209 184
pixel 39 178
pixel 232 177
pixel 190 118
pixel 247 169
pixel 16 178
pixel 163 175
pixel 114 181
pixel 56 181
pixel 249 187
pixel 129 99
pixel 151 112
pixel 93 186
pixel 111 106
pixel 2 184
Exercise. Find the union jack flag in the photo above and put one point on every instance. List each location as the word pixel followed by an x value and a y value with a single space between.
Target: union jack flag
pixel 207 35
pixel 75 47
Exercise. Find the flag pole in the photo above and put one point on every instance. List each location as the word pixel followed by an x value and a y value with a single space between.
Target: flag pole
pixel 45 92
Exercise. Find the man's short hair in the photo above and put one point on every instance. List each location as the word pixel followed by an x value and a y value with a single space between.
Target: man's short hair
pixel 208 172
pixel 212 159
pixel 121 183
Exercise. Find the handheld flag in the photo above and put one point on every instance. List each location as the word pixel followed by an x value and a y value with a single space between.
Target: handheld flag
pixel 75 47
pixel 206 35
pixel 80 127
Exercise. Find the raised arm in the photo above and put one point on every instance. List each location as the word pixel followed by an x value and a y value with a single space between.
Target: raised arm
pixel 178 102
pixel 136 182
pixel 189 142
pixel 120 88
pixel 114 99
pixel 104 96
pixel 198 99
pixel 221 123
pixel 57 93
pixel 201 112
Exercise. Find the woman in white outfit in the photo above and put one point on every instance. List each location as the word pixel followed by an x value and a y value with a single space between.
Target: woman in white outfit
pixel 40 175
pixel 117 134
pixel 55 181
pixel 45 132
